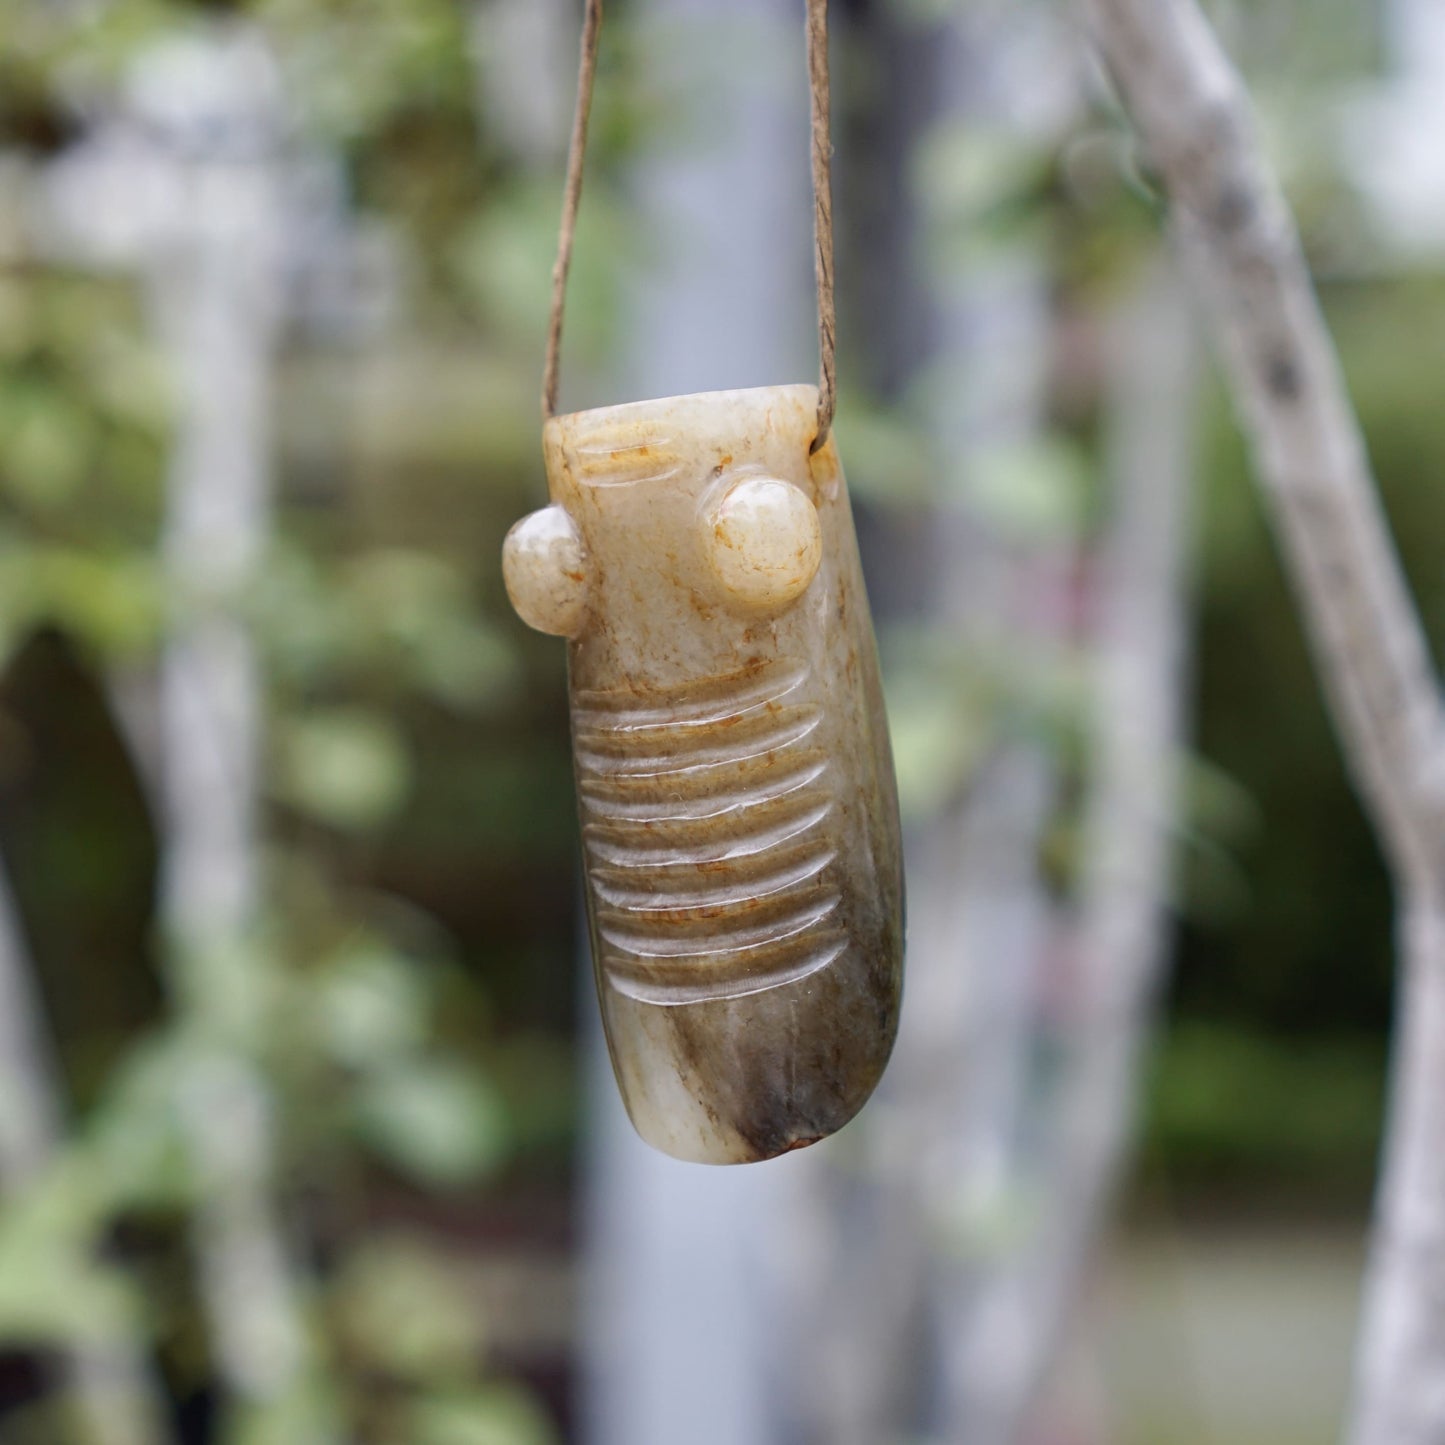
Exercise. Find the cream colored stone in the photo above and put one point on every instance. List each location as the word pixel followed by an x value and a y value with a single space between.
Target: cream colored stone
pixel 544 568
pixel 763 540
pixel 739 818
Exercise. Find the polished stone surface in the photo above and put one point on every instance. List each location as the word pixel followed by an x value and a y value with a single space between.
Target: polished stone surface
pixel 739 817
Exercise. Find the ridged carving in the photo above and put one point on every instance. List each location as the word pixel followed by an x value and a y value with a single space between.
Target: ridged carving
pixel 739 823
pixel 618 457
pixel 704 811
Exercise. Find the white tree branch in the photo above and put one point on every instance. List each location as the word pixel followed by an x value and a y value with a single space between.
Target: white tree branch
pixel 1015 1322
pixel 1197 127
pixel 210 108
pixel 1195 121
pixel 220 330
pixel 1400 1355
pixel 1119 934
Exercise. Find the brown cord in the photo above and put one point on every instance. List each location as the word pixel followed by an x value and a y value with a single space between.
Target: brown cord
pixel 820 91
pixel 571 197
pixel 822 164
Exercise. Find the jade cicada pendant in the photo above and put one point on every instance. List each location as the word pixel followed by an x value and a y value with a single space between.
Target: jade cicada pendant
pixel 735 785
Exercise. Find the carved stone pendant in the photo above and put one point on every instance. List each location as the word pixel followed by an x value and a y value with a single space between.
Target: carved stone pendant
pixel 739 816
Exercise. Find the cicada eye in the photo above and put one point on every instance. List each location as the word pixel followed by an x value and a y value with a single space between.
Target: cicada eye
pixel 764 542
pixel 545 570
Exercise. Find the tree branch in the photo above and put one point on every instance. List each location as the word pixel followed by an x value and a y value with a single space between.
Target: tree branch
pixel 1198 131
pixel 1370 650
pixel 1119 929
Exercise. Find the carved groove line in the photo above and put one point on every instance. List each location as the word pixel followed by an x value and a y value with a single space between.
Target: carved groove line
pixel 603 462
pixel 704 812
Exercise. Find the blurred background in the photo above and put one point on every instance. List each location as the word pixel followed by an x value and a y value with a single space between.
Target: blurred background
pixel 306 1132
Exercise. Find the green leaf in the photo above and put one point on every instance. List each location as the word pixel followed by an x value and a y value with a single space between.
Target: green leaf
pixel 888 456
pixel 438 1121
pixel 1036 489
pixel 416 605
pixel 18 328
pixel 135 1143
pixel 938 737
pixel 405 1311
pixel 46 439
pixel 110 600
pixel 308 629
pixel 491 1415
pixel 58 1297
pixel 963 169
pixel 233 985
pixel 53 1289
pixel 370 1007
pixel 305 1412
pixel 345 767
pixel 129 382
pixel 465 663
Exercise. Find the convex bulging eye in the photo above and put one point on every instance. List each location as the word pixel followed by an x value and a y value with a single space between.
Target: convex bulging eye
pixel 545 570
pixel 762 538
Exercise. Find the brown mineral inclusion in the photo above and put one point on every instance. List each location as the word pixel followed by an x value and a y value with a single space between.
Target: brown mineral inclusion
pixel 738 809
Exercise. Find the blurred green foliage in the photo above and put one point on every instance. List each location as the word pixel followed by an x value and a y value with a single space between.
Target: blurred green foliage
pixel 407 997
pixel 371 1000
pixel 1270 1064
pixel 1285 979
pixel 1229 1108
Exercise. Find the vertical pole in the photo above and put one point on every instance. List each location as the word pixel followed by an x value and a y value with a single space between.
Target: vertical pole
pixel 1115 943
pixel 213 103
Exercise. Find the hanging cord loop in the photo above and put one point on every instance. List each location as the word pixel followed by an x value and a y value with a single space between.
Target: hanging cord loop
pixel 822 165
